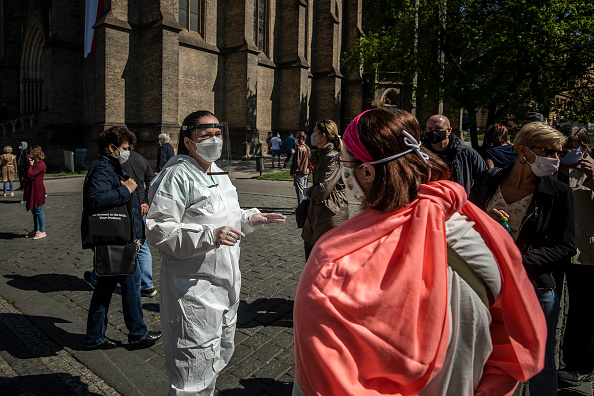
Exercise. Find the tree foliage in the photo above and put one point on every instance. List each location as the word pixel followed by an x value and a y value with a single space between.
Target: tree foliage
pixel 505 56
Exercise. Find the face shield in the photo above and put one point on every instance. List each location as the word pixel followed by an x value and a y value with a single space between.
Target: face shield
pixel 204 136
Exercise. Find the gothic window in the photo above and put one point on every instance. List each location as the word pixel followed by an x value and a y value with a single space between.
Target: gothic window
pixel 261 25
pixel 33 71
pixel 192 15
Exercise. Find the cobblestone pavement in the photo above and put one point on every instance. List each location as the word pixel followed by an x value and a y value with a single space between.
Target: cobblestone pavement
pixel 31 363
pixel 44 280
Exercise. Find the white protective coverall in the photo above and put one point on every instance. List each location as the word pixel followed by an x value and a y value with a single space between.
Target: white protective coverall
pixel 200 281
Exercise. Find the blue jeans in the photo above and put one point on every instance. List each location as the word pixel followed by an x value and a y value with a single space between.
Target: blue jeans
pixel 545 382
pixel 6 183
pixel 300 183
pixel 131 305
pixel 38 219
pixel 145 262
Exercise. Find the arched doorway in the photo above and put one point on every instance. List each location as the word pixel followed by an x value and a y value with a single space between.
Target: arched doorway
pixel 33 70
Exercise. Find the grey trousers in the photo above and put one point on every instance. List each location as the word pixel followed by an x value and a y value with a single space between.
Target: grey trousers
pixel 300 182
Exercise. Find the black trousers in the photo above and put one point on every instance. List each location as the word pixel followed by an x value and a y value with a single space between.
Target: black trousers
pixel 578 340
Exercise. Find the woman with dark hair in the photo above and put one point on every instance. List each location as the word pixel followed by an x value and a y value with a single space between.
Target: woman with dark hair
pixel 328 206
pixel 497 151
pixel 34 191
pixel 106 186
pixel 541 217
pixel 196 223
pixel 379 308
pixel 577 171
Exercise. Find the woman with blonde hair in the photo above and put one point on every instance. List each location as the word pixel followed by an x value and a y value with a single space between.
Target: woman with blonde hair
pixel 328 206
pixel 540 211
pixel 9 169
pixel 35 191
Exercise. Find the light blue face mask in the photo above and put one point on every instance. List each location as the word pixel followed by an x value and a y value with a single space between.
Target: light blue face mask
pixel 572 157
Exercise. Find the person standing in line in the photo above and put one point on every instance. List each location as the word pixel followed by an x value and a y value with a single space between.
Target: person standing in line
pixel 138 168
pixel 328 205
pixel 23 164
pixel 465 163
pixel 35 191
pixel 106 186
pixel 275 148
pixel 497 151
pixel 299 166
pixel 289 146
pixel 165 152
pixel 9 169
pixel 196 223
pixel 541 215
pixel 379 308
pixel 577 171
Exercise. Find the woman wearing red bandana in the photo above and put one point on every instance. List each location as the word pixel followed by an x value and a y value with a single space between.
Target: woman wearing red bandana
pixel 379 311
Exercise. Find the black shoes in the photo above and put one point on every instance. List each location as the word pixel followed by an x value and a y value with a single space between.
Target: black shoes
pixel 149 340
pixel 574 378
pixel 107 344
pixel 88 279
pixel 148 292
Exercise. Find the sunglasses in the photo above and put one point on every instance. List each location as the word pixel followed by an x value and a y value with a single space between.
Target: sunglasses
pixel 550 152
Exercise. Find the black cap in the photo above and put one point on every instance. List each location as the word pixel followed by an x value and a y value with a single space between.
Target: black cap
pixel 533 117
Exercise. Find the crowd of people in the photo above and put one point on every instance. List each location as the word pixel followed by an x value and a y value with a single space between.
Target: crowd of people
pixel 422 292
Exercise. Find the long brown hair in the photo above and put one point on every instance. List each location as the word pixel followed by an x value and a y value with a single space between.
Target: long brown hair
pixel 496 135
pixel 397 182
pixel 331 130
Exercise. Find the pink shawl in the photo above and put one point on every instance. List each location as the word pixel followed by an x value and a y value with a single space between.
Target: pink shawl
pixel 371 314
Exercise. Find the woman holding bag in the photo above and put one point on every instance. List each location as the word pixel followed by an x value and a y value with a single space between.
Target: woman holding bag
pixel 106 186
pixel 328 206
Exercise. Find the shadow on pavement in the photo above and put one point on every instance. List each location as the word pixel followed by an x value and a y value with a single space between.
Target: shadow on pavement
pixel 44 283
pixel 14 346
pixel 11 235
pixel 153 307
pixel 265 311
pixel 45 384
pixel 255 386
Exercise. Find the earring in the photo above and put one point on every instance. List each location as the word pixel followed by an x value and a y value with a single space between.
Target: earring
pixel 525 160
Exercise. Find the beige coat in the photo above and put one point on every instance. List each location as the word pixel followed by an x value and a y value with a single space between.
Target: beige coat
pixel 583 195
pixel 9 166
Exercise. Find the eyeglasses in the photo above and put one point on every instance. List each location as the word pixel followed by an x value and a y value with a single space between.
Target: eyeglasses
pixel 550 152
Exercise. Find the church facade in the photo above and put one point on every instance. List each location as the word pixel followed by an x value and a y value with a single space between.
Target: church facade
pixel 262 66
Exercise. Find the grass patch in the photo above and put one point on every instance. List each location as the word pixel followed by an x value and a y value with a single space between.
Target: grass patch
pixel 285 174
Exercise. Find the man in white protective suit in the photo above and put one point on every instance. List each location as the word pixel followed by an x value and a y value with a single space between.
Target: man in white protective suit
pixel 196 223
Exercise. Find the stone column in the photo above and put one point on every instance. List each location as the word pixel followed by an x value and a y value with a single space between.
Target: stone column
pixel 241 80
pixel 294 45
pixel 326 97
pixel 352 84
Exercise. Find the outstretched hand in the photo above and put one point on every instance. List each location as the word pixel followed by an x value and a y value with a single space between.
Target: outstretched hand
pixel 259 219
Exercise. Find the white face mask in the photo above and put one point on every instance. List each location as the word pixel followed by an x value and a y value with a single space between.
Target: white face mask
pixel 124 156
pixel 351 184
pixel 314 138
pixel 210 149
pixel 543 166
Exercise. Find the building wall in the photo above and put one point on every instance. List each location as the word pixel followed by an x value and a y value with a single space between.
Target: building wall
pixel 148 72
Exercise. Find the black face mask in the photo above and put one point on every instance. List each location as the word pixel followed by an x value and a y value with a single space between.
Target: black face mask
pixel 434 137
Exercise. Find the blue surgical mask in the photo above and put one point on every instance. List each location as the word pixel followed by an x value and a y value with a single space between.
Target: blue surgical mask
pixel 572 157
pixel 314 138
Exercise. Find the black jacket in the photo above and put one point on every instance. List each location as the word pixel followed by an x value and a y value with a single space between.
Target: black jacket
pixel 102 190
pixel 547 232
pixel 465 162
pixel 165 153
pixel 138 168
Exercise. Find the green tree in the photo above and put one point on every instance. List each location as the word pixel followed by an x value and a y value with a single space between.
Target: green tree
pixel 505 56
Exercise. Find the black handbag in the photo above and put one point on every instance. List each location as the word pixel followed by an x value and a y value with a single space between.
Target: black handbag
pixel 114 226
pixel 301 213
pixel 115 260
